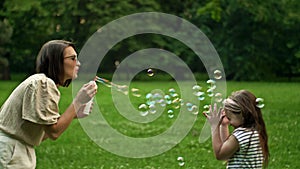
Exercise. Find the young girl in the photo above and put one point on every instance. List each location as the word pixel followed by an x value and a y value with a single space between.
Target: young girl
pixel 31 114
pixel 247 146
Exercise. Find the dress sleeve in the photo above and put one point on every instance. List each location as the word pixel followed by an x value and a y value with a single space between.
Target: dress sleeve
pixel 40 102
pixel 242 136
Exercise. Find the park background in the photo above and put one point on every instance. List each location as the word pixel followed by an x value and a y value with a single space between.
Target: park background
pixel 257 41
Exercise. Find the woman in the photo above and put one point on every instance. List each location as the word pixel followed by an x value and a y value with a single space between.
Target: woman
pixel 31 114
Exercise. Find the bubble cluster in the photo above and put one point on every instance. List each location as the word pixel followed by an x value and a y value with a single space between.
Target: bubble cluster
pixel 192 108
pixel 154 99
pixel 169 100
pixel 198 93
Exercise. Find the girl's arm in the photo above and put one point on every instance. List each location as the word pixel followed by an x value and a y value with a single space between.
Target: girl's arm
pixel 223 150
pixel 224 131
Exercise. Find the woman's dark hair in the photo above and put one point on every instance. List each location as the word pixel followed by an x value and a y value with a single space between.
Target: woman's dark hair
pixel 246 104
pixel 50 61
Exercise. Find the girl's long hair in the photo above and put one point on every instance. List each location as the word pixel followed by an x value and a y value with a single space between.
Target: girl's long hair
pixel 252 118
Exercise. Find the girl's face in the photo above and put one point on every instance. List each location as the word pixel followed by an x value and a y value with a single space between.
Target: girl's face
pixel 71 63
pixel 235 120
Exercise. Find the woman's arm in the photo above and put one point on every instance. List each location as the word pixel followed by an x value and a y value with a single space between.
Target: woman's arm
pixel 85 94
pixel 55 130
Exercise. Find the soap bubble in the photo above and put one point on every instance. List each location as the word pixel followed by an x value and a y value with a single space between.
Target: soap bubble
pixel 196 87
pixel 172 90
pixel 148 95
pixel 150 72
pixel 259 103
pixel 170 114
pixel 157 96
pixel 206 108
pixel 192 108
pixel 200 95
pixel 210 92
pixel 150 102
pixel 180 161
pixel 211 82
pixel 197 92
pixel 212 85
pixel 143 108
pixel 136 92
pixel 168 99
pixel 176 103
pixel 218 97
pixel 217 74
pixel 162 102
pixel 152 109
pixel 189 105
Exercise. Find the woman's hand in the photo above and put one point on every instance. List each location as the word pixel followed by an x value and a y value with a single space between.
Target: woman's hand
pixel 84 95
pixel 85 110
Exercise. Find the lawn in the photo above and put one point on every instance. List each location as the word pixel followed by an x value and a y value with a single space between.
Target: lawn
pixel 74 149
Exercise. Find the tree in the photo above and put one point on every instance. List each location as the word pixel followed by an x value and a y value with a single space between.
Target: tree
pixel 5 35
pixel 256 40
pixel 36 22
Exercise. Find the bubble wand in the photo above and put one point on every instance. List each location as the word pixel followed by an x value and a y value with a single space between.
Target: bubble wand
pixel 107 83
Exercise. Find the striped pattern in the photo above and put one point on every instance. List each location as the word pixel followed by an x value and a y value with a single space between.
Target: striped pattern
pixel 250 153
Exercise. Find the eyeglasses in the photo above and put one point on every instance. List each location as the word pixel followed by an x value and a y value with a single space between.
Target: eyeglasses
pixel 74 57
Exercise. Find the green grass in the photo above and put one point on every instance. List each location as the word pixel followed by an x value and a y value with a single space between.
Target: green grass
pixel 74 149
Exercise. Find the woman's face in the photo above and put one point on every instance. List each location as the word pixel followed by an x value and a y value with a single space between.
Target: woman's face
pixel 235 120
pixel 71 64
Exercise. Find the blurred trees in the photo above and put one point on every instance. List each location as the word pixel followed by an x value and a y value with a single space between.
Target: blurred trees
pixel 256 40
pixel 5 35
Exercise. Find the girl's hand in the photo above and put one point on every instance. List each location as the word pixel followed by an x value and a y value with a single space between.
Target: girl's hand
pixel 225 121
pixel 214 116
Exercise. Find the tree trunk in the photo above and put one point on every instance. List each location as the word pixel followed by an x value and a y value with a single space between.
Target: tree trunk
pixel 6 74
pixel 4 69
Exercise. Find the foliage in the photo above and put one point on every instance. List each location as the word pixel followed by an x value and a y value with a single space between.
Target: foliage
pixel 256 40
pixel 5 35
